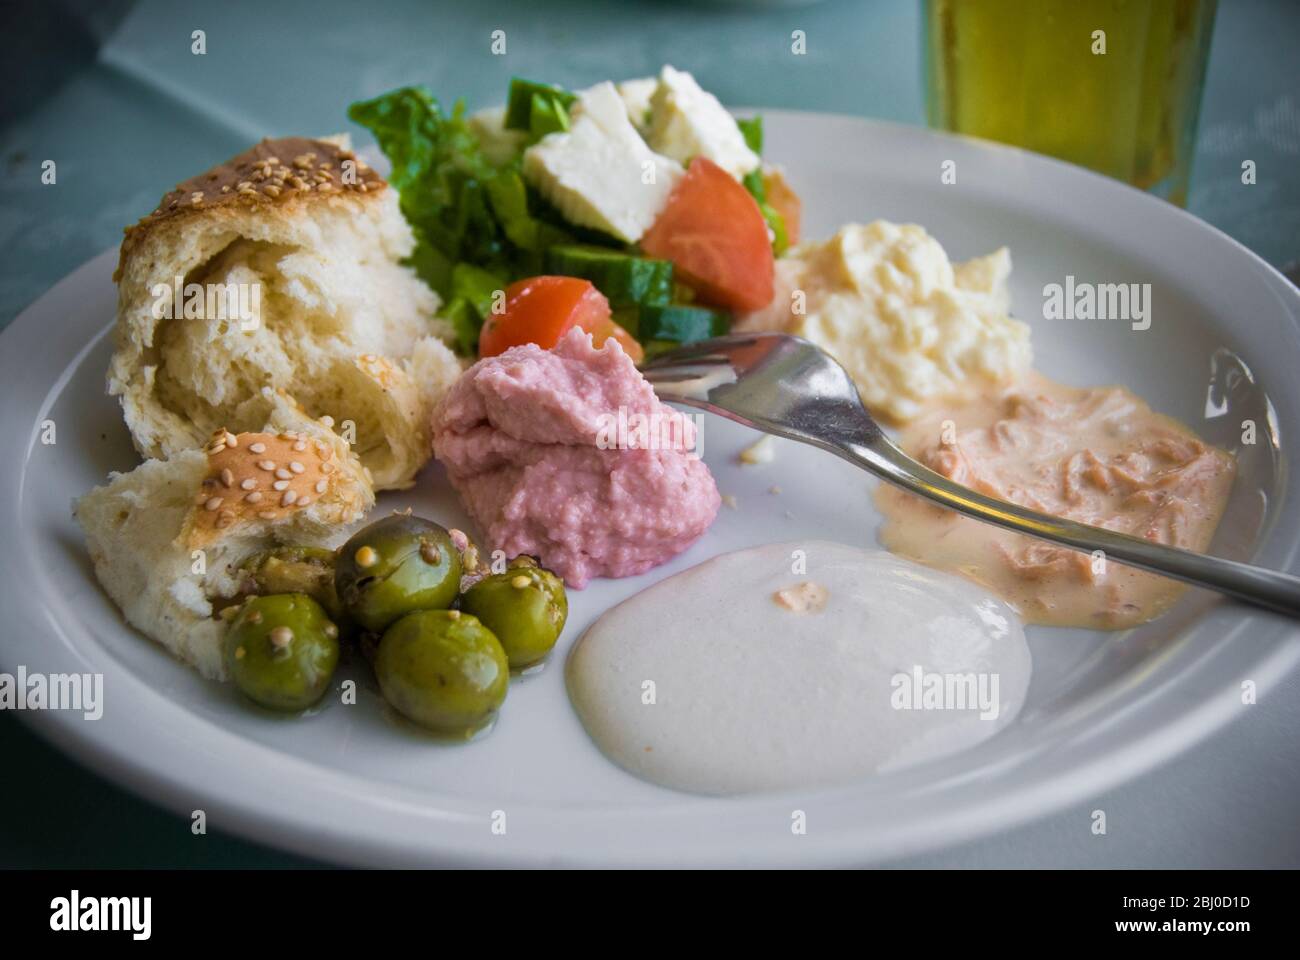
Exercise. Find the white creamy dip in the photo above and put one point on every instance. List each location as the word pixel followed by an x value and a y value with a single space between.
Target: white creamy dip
pixel 706 682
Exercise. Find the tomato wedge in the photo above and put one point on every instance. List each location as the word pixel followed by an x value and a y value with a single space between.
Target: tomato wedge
pixel 715 235
pixel 608 329
pixel 542 310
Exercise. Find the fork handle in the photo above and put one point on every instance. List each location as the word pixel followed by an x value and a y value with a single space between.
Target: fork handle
pixel 1275 591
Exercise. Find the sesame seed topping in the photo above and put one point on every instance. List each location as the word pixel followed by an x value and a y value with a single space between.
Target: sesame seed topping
pixel 227 477
pixel 300 446
pixel 327 468
pixel 267 514
pixel 254 497
pixel 258 447
pixel 247 484
pixel 232 441
pixel 271 190
pixel 282 474
pixel 303 501
pixel 212 503
pixel 321 485
pixel 288 499
pixel 296 467
pixel 266 464
pixel 280 485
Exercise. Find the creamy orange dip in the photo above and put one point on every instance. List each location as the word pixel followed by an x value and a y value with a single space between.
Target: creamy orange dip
pixel 1100 456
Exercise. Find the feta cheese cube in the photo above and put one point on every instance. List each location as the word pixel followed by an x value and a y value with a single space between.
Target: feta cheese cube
pixel 636 96
pixel 687 121
pixel 600 173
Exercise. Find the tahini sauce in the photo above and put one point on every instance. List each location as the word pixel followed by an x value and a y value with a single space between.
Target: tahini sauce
pixel 741 675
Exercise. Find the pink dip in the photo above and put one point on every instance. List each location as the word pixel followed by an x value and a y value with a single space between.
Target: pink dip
pixel 519 433
pixel 1100 456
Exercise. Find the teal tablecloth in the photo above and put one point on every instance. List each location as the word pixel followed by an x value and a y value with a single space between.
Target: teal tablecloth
pixel 147 112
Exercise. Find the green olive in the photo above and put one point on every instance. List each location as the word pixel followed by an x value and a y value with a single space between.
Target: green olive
pixel 290 569
pixel 525 607
pixel 396 566
pixel 443 669
pixel 281 651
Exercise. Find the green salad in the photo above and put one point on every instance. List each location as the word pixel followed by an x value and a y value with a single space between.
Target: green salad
pixel 481 222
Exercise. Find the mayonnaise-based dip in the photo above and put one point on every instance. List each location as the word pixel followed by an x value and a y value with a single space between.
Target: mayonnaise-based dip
pixel 796 665
pixel 1100 456
pixel 907 324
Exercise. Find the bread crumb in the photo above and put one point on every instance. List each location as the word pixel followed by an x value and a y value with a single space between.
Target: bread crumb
pixel 761 451
pixel 806 597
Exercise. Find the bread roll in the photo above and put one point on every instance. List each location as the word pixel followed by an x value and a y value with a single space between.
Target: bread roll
pixel 336 320
pixel 167 538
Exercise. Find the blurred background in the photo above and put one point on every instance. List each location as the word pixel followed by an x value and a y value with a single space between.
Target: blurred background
pixel 113 92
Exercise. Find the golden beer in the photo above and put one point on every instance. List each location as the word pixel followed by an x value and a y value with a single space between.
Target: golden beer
pixel 1114 85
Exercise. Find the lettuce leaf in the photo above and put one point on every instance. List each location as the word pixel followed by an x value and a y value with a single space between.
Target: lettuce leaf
pixel 441 177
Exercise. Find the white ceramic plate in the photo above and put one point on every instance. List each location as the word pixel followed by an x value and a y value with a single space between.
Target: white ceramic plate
pixel 350 785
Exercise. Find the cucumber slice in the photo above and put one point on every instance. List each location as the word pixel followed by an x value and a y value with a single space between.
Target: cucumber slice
pixel 624 279
pixel 548 115
pixel 680 323
pixel 519 105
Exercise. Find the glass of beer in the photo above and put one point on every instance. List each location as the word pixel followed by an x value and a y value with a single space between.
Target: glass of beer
pixel 1114 85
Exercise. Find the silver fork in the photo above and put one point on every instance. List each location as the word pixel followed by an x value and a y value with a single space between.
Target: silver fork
pixel 786 386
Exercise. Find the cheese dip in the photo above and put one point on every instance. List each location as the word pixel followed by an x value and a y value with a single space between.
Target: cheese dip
pixel 908 325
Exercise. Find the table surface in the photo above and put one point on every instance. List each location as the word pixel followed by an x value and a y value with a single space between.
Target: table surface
pixel 143 112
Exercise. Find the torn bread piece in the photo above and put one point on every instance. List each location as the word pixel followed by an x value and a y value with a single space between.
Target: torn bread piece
pixel 167 538
pixel 282 267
